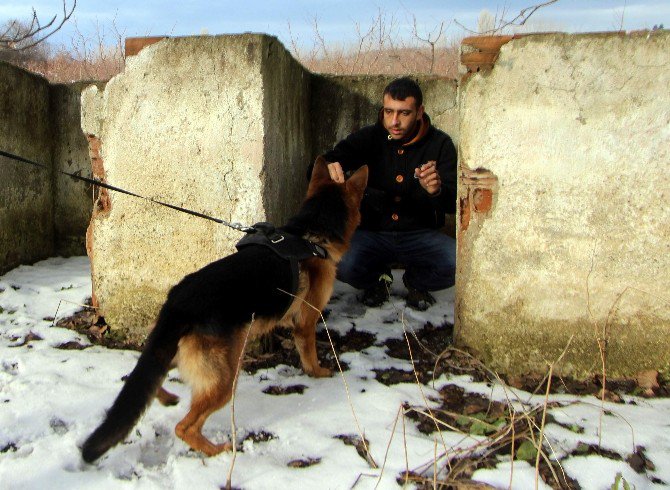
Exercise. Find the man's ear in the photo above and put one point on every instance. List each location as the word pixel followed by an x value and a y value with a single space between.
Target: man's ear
pixel 359 181
pixel 319 176
pixel 419 113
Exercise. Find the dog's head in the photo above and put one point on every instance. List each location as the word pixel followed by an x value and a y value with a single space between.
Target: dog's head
pixel 352 190
pixel 331 211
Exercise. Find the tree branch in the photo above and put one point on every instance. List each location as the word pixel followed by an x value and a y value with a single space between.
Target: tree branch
pixel 521 18
pixel 19 37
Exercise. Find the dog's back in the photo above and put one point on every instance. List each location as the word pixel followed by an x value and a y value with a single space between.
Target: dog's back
pixel 224 294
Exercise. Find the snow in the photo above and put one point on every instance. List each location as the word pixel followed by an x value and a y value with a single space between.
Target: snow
pixel 51 399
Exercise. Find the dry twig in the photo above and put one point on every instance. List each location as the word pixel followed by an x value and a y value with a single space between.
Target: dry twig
pixel 233 425
pixel 18 37
pixel 520 19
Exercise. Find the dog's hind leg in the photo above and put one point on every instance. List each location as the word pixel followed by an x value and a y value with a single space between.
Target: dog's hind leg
pixel 209 365
pixel 164 396
pixel 203 405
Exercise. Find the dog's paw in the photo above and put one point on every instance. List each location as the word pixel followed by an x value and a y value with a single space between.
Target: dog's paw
pixel 320 372
pixel 218 449
pixel 166 398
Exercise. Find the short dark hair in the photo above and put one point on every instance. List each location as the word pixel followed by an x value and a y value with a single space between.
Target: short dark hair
pixel 401 88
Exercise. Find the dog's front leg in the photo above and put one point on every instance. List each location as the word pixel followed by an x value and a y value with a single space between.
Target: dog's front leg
pixel 304 334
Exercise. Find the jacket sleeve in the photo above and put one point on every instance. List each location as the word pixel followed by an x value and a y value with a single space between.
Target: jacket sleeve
pixel 353 151
pixel 445 200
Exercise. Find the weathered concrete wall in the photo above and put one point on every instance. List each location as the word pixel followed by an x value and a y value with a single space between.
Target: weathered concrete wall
pixel 73 200
pixel 26 193
pixel 208 123
pixel 343 104
pixel 565 205
pixel 286 118
pixel 42 213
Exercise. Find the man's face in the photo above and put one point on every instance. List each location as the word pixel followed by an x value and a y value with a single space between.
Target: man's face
pixel 401 116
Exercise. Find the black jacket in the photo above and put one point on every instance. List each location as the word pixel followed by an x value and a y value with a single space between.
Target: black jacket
pixel 394 199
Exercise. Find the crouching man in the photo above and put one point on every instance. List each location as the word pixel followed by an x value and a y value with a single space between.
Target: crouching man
pixel 411 185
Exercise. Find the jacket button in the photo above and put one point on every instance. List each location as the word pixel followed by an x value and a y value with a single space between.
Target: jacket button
pixel 400 151
pixel 399 178
pixel 394 217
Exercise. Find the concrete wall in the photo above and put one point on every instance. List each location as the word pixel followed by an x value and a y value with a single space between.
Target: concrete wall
pixel 209 123
pixel 286 129
pixel 564 194
pixel 42 213
pixel 565 205
pixel 26 193
pixel 73 200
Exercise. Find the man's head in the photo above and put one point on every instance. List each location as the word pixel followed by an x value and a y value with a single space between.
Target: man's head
pixel 402 107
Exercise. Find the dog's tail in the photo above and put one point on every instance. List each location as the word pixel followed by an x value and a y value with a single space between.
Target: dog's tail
pixel 139 389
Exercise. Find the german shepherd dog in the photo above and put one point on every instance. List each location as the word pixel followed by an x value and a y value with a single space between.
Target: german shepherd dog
pixel 209 315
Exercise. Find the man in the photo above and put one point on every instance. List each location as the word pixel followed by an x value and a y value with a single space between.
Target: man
pixel 411 185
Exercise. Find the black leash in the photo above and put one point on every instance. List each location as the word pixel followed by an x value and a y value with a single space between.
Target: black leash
pixel 294 249
pixel 76 176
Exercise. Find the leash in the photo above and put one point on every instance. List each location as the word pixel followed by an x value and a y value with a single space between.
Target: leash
pixel 99 183
pixel 293 249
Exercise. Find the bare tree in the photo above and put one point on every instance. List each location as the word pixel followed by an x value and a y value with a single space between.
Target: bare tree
pixel 20 36
pixel 17 29
pixel 486 22
pixel 431 39
pixel 620 20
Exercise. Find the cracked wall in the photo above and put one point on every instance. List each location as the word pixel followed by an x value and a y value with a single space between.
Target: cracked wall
pixel 216 124
pixel 572 244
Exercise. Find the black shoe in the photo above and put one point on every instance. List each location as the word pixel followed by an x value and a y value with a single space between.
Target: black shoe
pixel 378 294
pixel 419 300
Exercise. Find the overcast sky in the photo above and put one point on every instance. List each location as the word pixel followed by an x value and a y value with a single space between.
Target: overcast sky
pixel 336 19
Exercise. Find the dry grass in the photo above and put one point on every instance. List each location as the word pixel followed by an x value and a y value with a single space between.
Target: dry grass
pixel 392 61
pixel 63 67
pixel 106 61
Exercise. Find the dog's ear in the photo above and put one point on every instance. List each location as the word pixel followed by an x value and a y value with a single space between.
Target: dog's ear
pixel 358 181
pixel 319 176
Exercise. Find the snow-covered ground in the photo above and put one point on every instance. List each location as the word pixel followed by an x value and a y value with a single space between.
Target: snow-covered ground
pixel 52 398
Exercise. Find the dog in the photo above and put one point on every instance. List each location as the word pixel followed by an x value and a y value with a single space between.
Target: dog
pixel 210 314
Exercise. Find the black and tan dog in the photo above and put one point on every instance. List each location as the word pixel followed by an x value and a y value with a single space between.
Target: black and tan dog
pixel 208 316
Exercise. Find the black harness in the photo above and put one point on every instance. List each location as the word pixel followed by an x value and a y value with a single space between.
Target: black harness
pixel 287 246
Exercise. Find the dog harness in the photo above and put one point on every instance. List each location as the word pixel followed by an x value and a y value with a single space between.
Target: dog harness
pixel 287 246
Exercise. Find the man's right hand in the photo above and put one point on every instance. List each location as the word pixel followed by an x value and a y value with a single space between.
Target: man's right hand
pixel 336 172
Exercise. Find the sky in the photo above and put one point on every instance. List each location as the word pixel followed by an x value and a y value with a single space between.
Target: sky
pixel 336 19
pixel 51 398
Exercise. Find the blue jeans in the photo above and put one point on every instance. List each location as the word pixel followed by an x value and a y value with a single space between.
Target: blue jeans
pixel 429 258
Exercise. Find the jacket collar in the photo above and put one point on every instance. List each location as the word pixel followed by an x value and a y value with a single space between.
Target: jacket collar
pixel 423 128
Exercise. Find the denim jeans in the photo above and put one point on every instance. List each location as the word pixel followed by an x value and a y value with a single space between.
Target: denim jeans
pixel 429 258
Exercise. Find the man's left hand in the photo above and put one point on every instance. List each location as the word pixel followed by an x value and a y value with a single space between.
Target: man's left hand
pixel 428 177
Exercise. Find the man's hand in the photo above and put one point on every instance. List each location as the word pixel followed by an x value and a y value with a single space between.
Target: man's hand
pixel 336 173
pixel 428 177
